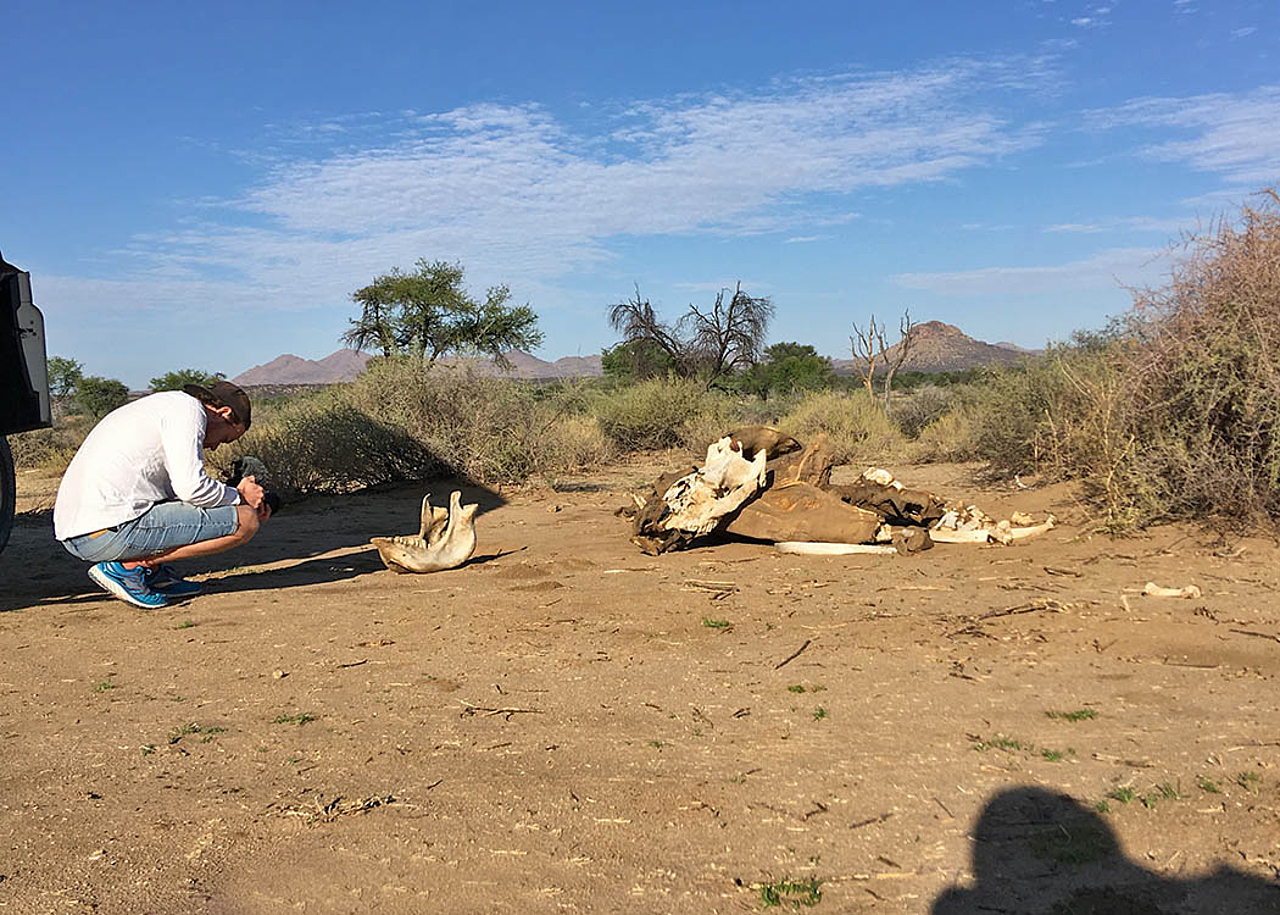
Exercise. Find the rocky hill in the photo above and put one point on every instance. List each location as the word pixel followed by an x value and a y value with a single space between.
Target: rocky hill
pixel 346 364
pixel 939 347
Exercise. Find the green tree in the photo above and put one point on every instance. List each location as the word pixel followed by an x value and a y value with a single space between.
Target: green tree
pixel 176 381
pixel 429 313
pixel 635 361
pixel 788 367
pixel 99 396
pixel 64 375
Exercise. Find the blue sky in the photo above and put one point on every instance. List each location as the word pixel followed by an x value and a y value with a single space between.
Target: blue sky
pixel 205 185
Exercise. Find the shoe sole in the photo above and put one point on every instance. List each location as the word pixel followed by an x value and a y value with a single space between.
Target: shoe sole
pixel 114 588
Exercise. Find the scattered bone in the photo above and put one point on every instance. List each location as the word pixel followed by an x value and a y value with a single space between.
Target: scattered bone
pixel 1022 519
pixel 445 540
pixel 1154 590
pixel 807 548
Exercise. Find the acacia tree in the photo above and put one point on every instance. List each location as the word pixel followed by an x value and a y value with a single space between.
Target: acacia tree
pixel 98 396
pixel 176 381
pixel 428 313
pixel 871 347
pixel 64 374
pixel 708 344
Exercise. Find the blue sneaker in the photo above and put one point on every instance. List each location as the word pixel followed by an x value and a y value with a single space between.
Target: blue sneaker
pixel 130 585
pixel 165 578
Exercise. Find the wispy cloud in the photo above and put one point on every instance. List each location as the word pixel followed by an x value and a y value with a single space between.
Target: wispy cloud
pixel 1234 136
pixel 1104 270
pixel 520 195
pixel 1165 226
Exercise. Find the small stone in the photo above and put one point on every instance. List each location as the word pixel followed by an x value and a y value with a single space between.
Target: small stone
pixel 279 674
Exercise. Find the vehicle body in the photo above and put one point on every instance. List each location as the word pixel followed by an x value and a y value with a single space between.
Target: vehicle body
pixel 24 380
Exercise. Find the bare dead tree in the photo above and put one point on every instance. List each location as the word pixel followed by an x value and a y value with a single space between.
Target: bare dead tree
pixel 731 334
pixel 636 320
pixel 906 335
pixel 871 348
pixel 867 349
pixel 702 343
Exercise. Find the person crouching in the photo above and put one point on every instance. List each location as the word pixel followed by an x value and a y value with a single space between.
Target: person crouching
pixel 136 497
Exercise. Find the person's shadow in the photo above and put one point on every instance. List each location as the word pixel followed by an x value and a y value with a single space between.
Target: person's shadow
pixel 1040 853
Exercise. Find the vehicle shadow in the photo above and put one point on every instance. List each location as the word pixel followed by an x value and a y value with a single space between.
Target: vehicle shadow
pixel 1036 852
pixel 322 539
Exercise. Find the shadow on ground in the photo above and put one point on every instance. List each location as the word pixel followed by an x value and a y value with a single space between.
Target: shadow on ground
pixel 322 539
pixel 1041 853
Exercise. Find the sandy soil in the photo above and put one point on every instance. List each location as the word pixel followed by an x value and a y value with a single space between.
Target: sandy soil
pixel 567 724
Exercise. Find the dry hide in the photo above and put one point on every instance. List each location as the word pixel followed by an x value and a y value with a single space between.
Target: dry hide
pixel 760 483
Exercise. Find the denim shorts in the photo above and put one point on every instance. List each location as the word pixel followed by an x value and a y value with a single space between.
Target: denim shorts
pixel 165 526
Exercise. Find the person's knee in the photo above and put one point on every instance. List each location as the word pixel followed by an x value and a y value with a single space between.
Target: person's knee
pixel 248 523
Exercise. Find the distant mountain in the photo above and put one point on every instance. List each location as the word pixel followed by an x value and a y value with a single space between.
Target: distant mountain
pixel 938 347
pixel 1015 348
pixel 346 364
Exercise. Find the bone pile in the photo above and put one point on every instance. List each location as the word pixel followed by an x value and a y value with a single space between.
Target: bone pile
pixel 968 523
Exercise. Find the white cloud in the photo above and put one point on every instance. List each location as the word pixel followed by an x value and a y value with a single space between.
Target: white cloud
pixel 1108 269
pixel 521 196
pixel 1244 32
pixel 1234 136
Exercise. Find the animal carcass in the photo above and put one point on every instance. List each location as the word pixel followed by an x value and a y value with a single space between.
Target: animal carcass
pixel 446 539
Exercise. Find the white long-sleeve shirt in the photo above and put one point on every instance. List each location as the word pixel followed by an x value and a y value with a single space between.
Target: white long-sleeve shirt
pixel 148 451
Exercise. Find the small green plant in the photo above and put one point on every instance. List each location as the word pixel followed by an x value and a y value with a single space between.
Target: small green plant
pixel 185 624
pixel 180 732
pixel 1162 792
pixel 819 713
pixel 1123 795
pixel 1102 807
pixel 1073 843
pixel 148 749
pixel 657 744
pixel 103 686
pixel 1248 780
pixel 796 893
pixel 1057 755
pixel 1207 785
pixel 299 719
pixel 797 688
pixel 1080 714
pixel 715 624
pixel 1000 742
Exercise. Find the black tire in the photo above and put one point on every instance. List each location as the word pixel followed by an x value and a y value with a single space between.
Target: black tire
pixel 8 491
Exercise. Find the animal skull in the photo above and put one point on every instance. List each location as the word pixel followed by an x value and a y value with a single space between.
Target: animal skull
pixel 445 540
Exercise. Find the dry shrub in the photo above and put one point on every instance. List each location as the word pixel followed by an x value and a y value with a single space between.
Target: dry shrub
pixel 915 409
pixel 323 444
pixel 1202 366
pixel 950 437
pixel 664 413
pixel 576 442
pixel 1174 412
pixel 490 430
pixel 50 449
pixel 857 429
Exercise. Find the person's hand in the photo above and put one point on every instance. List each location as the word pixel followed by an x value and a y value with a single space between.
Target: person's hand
pixel 251 494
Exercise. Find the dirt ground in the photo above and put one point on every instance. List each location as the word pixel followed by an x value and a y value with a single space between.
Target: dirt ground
pixel 566 724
